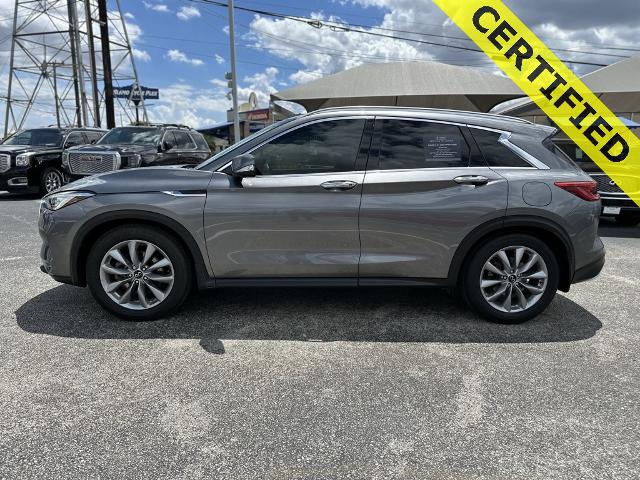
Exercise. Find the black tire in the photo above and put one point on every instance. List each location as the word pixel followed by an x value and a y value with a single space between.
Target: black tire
pixel 628 219
pixel 47 177
pixel 473 271
pixel 175 252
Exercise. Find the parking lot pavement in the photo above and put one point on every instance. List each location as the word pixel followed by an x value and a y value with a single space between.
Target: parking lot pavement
pixel 323 383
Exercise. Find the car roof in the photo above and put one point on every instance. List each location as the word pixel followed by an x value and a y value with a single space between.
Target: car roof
pixel 478 119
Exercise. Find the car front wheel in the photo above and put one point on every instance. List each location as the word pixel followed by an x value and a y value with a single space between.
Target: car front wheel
pixel 138 272
pixel 50 180
pixel 511 279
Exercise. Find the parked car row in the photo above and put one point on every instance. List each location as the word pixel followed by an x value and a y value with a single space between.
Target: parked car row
pixel 43 159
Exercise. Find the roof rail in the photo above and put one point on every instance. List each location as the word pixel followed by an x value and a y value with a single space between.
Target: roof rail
pixel 423 109
pixel 176 125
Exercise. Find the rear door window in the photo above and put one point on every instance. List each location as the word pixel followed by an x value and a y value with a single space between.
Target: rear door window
pixel 495 153
pixel 183 140
pixel 412 144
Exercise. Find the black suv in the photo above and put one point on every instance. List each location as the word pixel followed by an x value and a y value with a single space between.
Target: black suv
pixel 137 146
pixel 30 160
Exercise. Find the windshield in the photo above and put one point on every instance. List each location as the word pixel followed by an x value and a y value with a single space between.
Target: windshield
pixel 131 135
pixel 41 137
pixel 243 141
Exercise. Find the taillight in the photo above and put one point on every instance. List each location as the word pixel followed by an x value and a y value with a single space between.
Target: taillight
pixel 587 190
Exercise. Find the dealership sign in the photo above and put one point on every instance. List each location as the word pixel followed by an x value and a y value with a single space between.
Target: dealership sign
pixel 132 92
pixel 526 60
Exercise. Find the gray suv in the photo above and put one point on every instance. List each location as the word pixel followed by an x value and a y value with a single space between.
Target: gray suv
pixel 339 197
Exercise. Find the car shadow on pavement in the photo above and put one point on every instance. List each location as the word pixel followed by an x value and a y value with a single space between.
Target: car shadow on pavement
pixel 608 228
pixel 326 315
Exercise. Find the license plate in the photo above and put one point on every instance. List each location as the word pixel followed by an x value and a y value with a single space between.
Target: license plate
pixel 611 210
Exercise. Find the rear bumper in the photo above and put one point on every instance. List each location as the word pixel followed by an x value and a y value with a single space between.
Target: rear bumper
pixel 589 270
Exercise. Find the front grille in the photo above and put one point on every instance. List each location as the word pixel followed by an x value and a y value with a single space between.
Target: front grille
pixel 5 162
pixel 606 185
pixel 91 163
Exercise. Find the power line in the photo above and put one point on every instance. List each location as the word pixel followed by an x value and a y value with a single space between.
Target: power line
pixel 349 28
pixel 634 48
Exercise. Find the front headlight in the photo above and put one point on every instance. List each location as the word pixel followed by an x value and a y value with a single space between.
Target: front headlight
pixel 56 201
pixel 23 160
pixel 65 159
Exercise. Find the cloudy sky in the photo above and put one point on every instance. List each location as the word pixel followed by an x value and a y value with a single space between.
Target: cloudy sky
pixel 181 46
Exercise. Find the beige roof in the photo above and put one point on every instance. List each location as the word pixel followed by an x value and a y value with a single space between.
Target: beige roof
pixel 411 84
pixel 617 85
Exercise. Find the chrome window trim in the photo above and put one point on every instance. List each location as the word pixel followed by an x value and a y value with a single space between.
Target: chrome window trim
pixel 504 138
pixel 318 120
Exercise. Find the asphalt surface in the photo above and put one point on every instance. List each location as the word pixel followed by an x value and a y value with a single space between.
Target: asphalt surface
pixel 318 383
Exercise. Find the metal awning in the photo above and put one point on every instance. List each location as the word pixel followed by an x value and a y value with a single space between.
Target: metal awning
pixel 414 84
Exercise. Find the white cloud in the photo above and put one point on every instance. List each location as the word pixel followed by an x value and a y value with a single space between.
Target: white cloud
pixel 304 76
pixel 156 7
pixel 129 15
pixel 323 51
pixel 185 13
pixel 177 56
pixel 219 59
pixel 262 83
pixel 185 104
pixel 141 55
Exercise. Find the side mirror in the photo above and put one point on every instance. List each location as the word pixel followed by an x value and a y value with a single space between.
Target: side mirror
pixel 166 146
pixel 243 166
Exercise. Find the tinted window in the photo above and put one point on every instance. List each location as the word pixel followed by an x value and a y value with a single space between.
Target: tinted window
pixel 413 144
pixel 37 137
pixel 131 135
pixel 93 136
pixel 322 147
pixel 200 141
pixel 183 140
pixel 74 139
pixel 495 153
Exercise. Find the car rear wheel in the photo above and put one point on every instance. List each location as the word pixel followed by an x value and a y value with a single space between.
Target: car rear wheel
pixel 50 180
pixel 138 272
pixel 511 279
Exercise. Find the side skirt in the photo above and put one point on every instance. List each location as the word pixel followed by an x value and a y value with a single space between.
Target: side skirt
pixel 327 282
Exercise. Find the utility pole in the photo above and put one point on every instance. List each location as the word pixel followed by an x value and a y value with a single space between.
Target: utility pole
pixel 234 78
pixel 92 62
pixel 103 18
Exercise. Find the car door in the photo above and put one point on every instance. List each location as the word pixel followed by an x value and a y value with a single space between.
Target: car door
pixel 170 150
pixel 426 187
pixel 298 217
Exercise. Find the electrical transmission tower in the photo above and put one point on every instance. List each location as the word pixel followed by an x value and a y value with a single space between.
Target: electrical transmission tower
pixel 66 57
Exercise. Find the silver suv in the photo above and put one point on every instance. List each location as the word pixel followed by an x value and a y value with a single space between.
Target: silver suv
pixel 348 197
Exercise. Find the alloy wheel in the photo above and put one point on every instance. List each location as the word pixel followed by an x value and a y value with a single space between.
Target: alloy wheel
pixel 52 181
pixel 514 279
pixel 136 274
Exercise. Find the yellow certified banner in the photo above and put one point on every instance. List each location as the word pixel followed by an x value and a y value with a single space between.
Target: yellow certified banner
pixel 552 86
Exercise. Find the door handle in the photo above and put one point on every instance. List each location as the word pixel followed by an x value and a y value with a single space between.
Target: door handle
pixel 476 180
pixel 338 185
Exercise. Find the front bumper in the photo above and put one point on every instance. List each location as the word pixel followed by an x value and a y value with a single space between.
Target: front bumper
pixel 56 232
pixel 18 179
